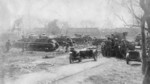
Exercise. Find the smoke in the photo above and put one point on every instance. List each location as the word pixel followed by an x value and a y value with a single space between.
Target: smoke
pixel 78 13
pixel 4 15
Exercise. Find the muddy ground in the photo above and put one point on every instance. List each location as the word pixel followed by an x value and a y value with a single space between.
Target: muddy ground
pixel 33 68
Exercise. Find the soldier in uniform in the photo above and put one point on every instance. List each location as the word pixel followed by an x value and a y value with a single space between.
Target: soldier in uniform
pixel 66 46
pixel 70 42
pixel 103 48
pixel 74 52
pixel 112 44
pixel 55 43
pixel 108 47
pixel 116 47
pixel 8 45
pixel 123 48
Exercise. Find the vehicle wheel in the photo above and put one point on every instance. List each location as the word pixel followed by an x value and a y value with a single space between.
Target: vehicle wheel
pixel 127 61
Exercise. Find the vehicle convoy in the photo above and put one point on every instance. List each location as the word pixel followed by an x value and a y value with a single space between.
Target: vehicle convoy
pixel 88 53
pixel 41 43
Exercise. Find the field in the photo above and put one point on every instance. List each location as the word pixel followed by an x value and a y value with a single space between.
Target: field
pixel 33 68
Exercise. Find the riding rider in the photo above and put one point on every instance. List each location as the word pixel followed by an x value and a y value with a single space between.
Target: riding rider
pixel 74 52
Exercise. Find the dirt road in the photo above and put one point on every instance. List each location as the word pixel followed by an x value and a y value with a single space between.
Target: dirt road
pixel 57 70
pixel 114 71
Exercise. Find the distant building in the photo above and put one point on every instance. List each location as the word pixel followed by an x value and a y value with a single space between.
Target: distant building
pixel 94 32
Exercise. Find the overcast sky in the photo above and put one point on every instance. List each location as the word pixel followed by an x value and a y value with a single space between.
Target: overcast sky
pixel 78 13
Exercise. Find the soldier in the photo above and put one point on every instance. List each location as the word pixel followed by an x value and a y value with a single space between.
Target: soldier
pixel 74 52
pixel 123 48
pixel 8 45
pixel 112 46
pixel 103 48
pixel 112 36
pixel 116 47
pixel 108 47
pixel 70 41
pixel 55 43
pixel 67 47
pixel 63 44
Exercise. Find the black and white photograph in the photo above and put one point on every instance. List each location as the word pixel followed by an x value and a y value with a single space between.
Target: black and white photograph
pixel 74 41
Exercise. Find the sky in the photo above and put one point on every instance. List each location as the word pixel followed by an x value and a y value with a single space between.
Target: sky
pixel 77 13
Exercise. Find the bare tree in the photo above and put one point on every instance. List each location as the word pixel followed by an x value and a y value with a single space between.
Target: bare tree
pixel 121 18
pixel 145 5
pixel 143 21
pixel 131 6
pixel 141 24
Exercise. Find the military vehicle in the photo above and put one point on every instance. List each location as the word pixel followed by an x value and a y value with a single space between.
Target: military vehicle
pixel 87 53
pixel 43 45
pixel 35 43
pixel 133 55
pixel 74 56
